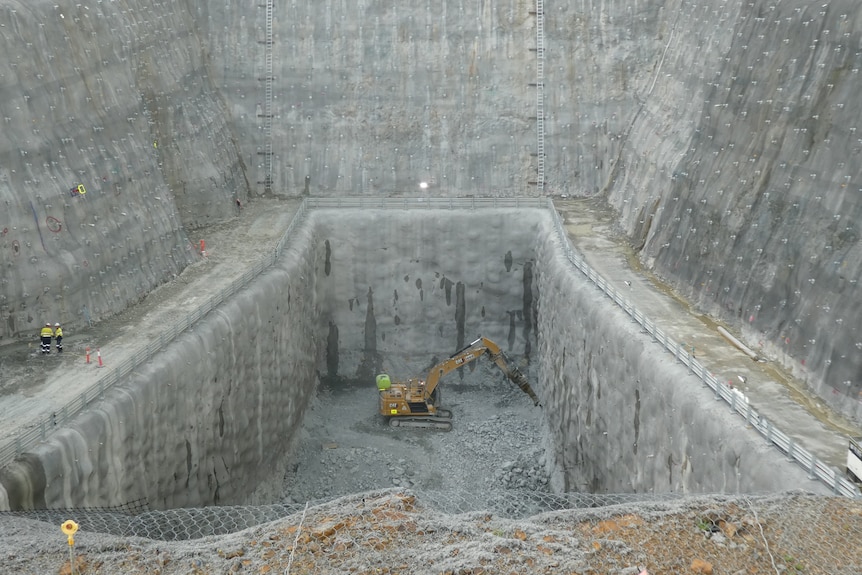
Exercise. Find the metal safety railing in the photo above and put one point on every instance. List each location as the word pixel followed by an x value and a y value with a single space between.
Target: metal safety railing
pixel 816 469
pixel 359 202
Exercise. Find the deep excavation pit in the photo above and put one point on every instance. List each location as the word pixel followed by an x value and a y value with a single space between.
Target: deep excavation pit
pixel 413 290
pixel 220 417
pixel 619 416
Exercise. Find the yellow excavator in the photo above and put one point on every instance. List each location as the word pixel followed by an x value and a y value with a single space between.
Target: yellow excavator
pixel 416 402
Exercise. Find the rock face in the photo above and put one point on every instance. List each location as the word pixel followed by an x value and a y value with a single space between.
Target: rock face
pixel 212 418
pixel 205 423
pixel 115 144
pixel 723 133
pixel 736 177
pixel 623 418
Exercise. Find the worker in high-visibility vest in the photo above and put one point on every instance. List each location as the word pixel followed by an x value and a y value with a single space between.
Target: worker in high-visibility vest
pixel 46 334
pixel 58 336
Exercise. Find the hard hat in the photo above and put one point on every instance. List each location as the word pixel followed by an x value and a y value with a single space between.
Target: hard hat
pixel 56 325
pixel 48 324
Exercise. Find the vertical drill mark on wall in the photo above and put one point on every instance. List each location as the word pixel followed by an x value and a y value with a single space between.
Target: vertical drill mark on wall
pixel 221 419
pixel 446 284
pixel 460 313
pixel 528 299
pixel 370 364
pixel 38 229
pixel 188 462
pixel 511 337
pixel 216 494
pixel 332 351
pixel 661 60
pixel 670 469
pixel 589 385
pixel 327 266
pixel 637 419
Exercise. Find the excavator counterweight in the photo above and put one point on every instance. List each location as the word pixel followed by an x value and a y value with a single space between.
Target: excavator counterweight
pixel 416 402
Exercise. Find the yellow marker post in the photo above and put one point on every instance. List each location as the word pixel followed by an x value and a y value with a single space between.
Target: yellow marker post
pixel 69 527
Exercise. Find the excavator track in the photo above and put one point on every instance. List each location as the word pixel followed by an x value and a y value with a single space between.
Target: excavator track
pixel 441 422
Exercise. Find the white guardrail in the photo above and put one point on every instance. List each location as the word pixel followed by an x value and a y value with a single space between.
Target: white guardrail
pixel 817 469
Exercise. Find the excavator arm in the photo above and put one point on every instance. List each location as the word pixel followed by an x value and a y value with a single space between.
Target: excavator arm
pixel 417 399
pixel 474 351
pixel 458 359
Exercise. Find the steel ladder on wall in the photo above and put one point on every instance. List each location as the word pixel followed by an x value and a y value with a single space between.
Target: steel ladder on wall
pixel 540 95
pixel 267 99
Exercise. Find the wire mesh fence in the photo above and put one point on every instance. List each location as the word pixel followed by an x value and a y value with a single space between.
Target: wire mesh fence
pixel 135 519
pixel 402 531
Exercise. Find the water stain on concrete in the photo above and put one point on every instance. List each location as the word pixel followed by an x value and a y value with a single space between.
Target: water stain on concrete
pixel 371 362
pixel 332 351
pixel 446 284
pixel 637 419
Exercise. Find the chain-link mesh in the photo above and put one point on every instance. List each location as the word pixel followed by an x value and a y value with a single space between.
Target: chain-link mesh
pixel 401 531
pixel 136 520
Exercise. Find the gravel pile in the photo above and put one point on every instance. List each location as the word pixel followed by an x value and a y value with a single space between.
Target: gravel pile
pixel 347 447
pixel 395 532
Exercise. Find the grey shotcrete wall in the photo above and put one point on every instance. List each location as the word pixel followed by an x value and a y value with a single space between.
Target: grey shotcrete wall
pixel 623 415
pixel 207 421
pixel 727 135
pixel 116 97
pixel 412 284
pixel 212 419
pixel 373 96
pixel 723 131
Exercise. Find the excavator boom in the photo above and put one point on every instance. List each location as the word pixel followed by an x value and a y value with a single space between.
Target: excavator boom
pixel 415 402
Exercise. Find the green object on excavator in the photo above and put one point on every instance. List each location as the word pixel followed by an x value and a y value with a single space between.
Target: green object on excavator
pixel 383 382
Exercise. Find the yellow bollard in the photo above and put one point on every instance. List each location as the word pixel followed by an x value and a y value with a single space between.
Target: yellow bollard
pixel 69 527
